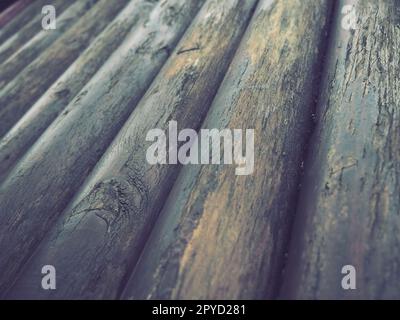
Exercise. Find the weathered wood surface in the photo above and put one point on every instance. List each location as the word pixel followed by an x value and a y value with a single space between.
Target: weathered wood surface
pixel 21 20
pixel 26 131
pixel 67 151
pixel 29 31
pixel 24 90
pixel 133 230
pixel 349 206
pixel 12 11
pixel 224 236
pixel 104 229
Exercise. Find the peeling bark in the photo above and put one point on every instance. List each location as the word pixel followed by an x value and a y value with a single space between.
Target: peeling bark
pixel 349 206
pixel 104 228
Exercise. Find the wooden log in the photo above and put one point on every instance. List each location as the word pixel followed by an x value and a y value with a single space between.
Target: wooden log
pixel 349 206
pixel 103 230
pixel 41 41
pixel 17 55
pixel 67 151
pixel 12 11
pixel 221 235
pixel 31 36
pixel 22 19
pixel 23 135
pixel 24 90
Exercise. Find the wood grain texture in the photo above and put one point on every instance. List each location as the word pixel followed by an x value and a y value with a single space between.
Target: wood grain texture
pixel 67 151
pixel 32 35
pixel 26 131
pixel 349 205
pixel 41 40
pixel 103 230
pixel 223 236
pixel 12 11
pixel 11 28
pixel 24 90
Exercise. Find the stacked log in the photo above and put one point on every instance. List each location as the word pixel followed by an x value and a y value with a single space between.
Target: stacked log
pixel 64 155
pixel 20 94
pixel 31 33
pixel 22 19
pixel 12 11
pixel 26 131
pixel 348 217
pixel 103 230
pixel 315 216
pixel 223 235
